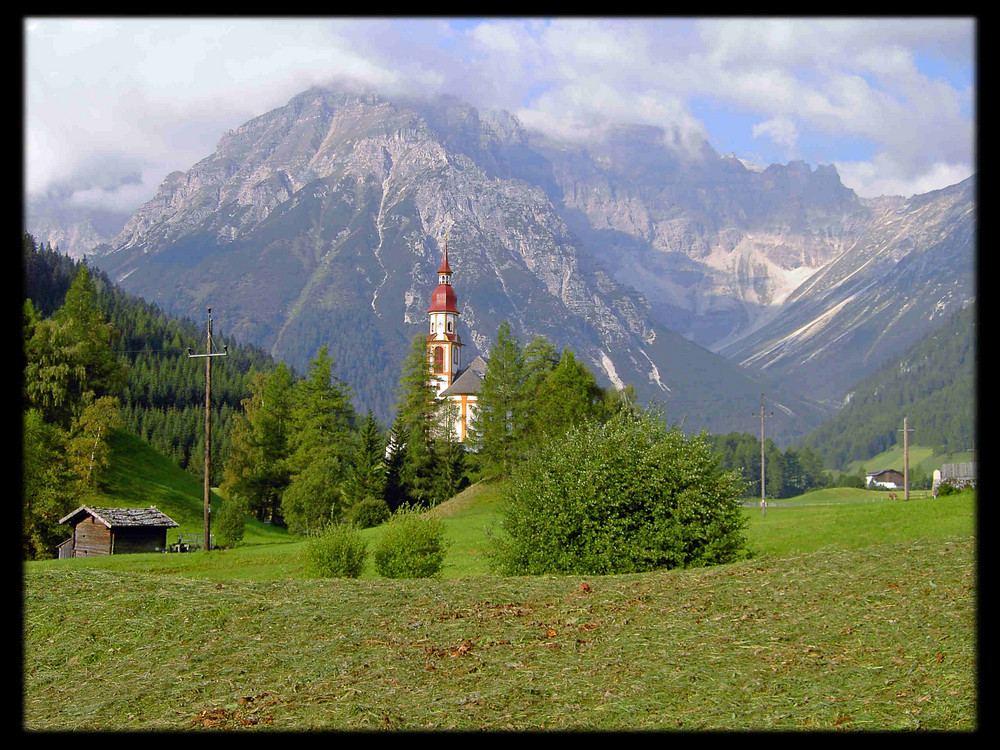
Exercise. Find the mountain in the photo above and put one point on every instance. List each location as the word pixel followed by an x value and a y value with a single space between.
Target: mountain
pixel 716 246
pixel 933 384
pixel 324 222
pixel 910 267
pixel 783 270
pixel 75 230
pixel 700 279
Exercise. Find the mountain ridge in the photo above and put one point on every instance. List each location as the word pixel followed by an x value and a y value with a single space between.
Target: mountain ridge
pixel 325 219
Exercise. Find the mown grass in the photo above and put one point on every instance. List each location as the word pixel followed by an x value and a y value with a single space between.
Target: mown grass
pixel 877 638
pixel 851 616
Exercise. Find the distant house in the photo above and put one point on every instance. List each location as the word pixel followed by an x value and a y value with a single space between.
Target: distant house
pixel 115 531
pixel 890 479
pixel 957 475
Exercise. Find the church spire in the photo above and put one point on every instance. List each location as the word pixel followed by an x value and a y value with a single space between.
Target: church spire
pixel 443 342
pixel 445 269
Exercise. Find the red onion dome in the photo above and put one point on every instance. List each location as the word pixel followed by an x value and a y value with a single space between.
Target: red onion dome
pixel 443 299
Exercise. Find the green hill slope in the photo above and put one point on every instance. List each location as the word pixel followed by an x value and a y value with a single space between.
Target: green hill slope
pixel 140 476
pixel 933 384
pixel 847 629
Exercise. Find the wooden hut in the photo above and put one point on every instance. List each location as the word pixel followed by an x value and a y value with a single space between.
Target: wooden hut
pixel 116 531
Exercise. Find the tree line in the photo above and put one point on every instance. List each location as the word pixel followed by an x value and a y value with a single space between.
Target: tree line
pixel 300 455
pixel 96 359
pixel 786 473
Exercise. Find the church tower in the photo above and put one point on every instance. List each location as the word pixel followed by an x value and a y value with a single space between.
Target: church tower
pixel 444 345
pixel 459 387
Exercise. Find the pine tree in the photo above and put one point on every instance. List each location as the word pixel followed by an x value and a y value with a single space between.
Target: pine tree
pixel 449 455
pixel 44 479
pixel 417 410
pixel 365 481
pixel 256 470
pixel 501 410
pixel 395 458
pixel 568 395
pixel 321 444
pixel 68 358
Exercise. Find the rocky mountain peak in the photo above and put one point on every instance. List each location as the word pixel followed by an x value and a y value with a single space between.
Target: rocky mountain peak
pixel 323 220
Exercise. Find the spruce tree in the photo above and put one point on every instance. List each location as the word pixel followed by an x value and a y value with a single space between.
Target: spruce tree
pixel 365 481
pixel 417 410
pixel 256 471
pixel 501 410
pixel 395 458
pixel 568 395
pixel 320 440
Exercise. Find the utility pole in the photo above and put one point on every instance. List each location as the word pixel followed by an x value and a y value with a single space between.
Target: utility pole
pixel 763 486
pixel 208 420
pixel 906 458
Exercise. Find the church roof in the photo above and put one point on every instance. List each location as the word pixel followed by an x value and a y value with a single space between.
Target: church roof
pixel 445 268
pixel 469 380
pixel 443 299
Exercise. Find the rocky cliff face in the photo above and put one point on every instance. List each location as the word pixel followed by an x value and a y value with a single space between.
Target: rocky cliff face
pixel 716 247
pixel 909 267
pixel 781 269
pixel 323 222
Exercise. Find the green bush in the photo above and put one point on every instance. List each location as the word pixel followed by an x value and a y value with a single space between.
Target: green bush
pixel 230 523
pixel 628 495
pixel 370 512
pixel 948 488
pixel 338 551
pixel 412 545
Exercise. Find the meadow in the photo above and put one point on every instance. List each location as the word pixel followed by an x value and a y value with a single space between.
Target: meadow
pixel 852 615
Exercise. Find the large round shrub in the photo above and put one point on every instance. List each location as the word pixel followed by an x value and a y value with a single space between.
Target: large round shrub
pixel 338 551
pixel 411 546
pixel 628 495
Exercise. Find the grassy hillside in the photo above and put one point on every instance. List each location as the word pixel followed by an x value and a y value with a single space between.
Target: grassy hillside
pixel 922 458
pixel 825 630
pixel 933 384
pixel 140 476
pixel 856 613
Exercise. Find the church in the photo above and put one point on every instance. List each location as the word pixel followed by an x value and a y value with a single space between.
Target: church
pixel 451 382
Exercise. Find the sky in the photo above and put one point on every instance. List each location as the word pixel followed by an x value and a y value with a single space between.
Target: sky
pixel 113 105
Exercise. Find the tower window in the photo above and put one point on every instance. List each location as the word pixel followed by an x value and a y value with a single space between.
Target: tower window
pixel 438 359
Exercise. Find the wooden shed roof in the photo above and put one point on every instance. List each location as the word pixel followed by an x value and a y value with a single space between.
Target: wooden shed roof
pixel 121 517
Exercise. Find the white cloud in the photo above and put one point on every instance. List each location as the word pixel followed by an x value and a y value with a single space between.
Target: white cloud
pixel 781 130
pixel 881 176
pixel 161 92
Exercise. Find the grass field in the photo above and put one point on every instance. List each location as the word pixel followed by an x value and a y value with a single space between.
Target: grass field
pixel 852 616
pixel 922 458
